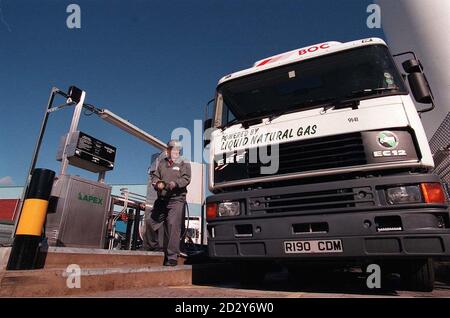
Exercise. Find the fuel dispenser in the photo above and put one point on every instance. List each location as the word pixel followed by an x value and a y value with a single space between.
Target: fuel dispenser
pixel 80 215
pixel 82 208
pixel 80 211
pixel 79 208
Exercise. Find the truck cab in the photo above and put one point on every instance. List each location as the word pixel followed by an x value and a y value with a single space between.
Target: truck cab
pixel 318 155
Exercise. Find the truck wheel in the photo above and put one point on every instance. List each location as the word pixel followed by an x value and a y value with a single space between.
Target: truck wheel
pixel 419 275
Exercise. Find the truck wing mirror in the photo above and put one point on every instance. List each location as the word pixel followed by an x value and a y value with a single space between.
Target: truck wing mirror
pixel 412 66
pixel 207 124
pixel 418 83
pixel 206 136
pixel 419 88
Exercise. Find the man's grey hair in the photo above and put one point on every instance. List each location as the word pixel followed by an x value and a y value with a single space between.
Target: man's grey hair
pixel 174 143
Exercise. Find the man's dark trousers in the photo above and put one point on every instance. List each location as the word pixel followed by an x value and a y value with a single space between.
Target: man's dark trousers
pixel 169 214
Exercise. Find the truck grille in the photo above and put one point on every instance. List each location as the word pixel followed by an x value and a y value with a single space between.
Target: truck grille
pixel 336 199
pixel 316 154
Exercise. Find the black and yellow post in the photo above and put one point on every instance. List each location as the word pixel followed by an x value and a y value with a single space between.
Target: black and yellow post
pixel 25 249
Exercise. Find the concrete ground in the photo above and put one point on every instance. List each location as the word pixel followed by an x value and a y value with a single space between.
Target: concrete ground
pixel 140 274
pixel 280 285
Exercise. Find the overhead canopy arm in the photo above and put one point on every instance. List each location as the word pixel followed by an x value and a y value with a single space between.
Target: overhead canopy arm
pixel 125 125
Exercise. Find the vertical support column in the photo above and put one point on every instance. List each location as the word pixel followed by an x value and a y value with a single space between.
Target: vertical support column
pixel 101 177
pixel 35 154
pixel 137 218
pixel 25 248
pixel 203 229
pixel 129 232
pixel 73 128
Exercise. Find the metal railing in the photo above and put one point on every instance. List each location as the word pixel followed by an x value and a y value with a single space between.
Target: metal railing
pixel 132 204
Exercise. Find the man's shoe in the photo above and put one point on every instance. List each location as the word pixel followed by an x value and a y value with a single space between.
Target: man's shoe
pixel 171 262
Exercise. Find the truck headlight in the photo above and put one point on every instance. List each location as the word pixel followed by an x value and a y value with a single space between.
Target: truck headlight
pixel 229 209
pixel 404 194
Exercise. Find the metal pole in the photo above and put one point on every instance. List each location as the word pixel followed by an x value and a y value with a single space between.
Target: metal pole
pixel 73 128
pixel 37 147
pixel 202 208
pixel 137 217
pixel 129 232
pixel 131 129
pixel 101 177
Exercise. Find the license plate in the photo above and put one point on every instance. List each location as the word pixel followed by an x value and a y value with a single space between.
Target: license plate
pixel 310 247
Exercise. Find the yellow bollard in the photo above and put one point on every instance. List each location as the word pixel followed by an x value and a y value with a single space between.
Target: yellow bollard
pixel 25 249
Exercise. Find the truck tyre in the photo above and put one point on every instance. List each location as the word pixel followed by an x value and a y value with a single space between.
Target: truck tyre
pixel 419 275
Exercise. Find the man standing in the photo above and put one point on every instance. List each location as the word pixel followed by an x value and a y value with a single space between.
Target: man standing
pixel 152 241
pixel 170 179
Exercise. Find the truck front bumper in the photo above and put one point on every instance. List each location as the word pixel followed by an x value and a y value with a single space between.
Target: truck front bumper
pixel 366 231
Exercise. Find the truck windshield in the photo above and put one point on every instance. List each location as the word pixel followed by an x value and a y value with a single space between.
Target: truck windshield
pixel 359 73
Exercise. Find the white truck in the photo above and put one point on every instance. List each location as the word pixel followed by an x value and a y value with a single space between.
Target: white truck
pixel 319 156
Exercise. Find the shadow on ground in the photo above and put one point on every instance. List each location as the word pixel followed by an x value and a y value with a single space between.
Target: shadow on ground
pixel 350 282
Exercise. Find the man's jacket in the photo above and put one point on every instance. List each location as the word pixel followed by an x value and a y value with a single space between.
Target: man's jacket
pixel 178 171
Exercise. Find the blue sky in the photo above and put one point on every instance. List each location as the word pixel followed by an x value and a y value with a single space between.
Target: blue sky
pixel 155 63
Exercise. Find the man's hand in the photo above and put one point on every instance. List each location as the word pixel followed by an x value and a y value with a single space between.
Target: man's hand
pixel 172 185
pixel 160 185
